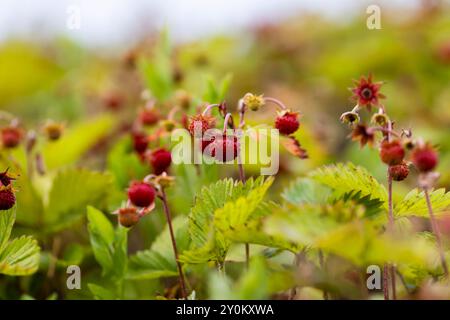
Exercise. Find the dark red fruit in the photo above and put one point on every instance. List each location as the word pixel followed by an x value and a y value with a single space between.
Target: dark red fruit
pixel 128 217
pixel 148 116
pixel 113 100
pixel 141 194
pixel 11 137
pixel 7 198
pixel 223 148
pixel 399 172
pixel 425 158
pixel 287 122
pixel 392 153
pixel 202 123
pixel 160 160
pixel 140 142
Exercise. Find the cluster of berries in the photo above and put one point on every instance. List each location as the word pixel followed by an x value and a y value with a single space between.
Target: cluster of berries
pixel 12 135
pixel 394 146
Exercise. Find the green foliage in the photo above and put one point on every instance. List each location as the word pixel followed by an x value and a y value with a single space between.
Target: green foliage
pixel 159 260
pixel 216 93
pixel 20 256
pixel 415 204
pixel 207 241
pixel 347 178
pixel 72 190
pixel 109 245
pixel 76 141
pixel 306 191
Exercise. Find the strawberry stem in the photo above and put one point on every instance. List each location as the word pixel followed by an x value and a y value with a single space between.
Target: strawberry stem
pixel 174 244
pixel 436 232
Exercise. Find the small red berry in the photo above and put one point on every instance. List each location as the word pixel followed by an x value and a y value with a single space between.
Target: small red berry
pixel 200 124
pixel 113 100
pixel 160 160
pixel 425 158
pixel 223 148
pixel 287 122
pixel 7 198
pixel 148 116
pixel 141 194
pixel 392 152
pixel 128 217
pixel 399 172
pixel 11 137
pixel 140 142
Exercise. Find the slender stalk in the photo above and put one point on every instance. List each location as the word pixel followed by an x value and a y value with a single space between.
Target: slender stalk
pixel 436 232
pixel 174 244
pixel 322 265
pixel 276 101
pixel 385 282
pixel 209 107
pixel 393 283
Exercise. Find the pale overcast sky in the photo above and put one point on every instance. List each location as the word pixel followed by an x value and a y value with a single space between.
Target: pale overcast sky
pixel 106 22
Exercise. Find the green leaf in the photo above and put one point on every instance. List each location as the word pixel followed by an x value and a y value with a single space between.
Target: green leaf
pixel 159 260
pixel 72 191
pixel 101 293
pixel 208 244
pixel 216 93
pixel 6 223
pixel 77 141
pixel 414 203
pixel 306 191
pixel 345 179
pixel 20 257
pixel 101 233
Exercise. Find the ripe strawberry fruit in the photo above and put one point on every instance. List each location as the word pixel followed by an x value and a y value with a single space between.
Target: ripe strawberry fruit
pixel 399 172
pixel 287 122
pixel 160 160
pixel 392 153
pixel 425 158
pixel 148 116
pixel 7 198
pixel 128 217
pixel 223 148
pixel 141 194
pixel 202 123
pixel 11 137
pixel 140 142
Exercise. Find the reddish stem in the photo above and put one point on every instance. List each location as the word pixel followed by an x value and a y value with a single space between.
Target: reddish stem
pixel 436 232
pixel 174 244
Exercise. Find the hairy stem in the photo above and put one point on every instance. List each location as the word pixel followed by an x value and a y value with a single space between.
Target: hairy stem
pixel 174 244
pixel 276 101
pixel 322 265
pixel 391 267
pixel 436 232
pixel 385 282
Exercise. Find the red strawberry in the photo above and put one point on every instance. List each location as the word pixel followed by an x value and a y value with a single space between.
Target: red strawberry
pixel 141 194
pixel 399 172
pixel 128 217
pixel 224 148
pixel 11 137
pixel 7 198
pixel 392 153
pixel 287 122
pixel 148 116
pixel 140 142
pixel 160 160
pixel 200 124
pixel 425 158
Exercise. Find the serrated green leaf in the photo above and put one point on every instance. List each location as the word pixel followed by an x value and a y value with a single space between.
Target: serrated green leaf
pixel 347 178
pixel 304 191
pixel 414 203
pixel 201 218
pixel 6 223
pixel 20 257
pixel 159 260
pixel 71 192
pixel 101 233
